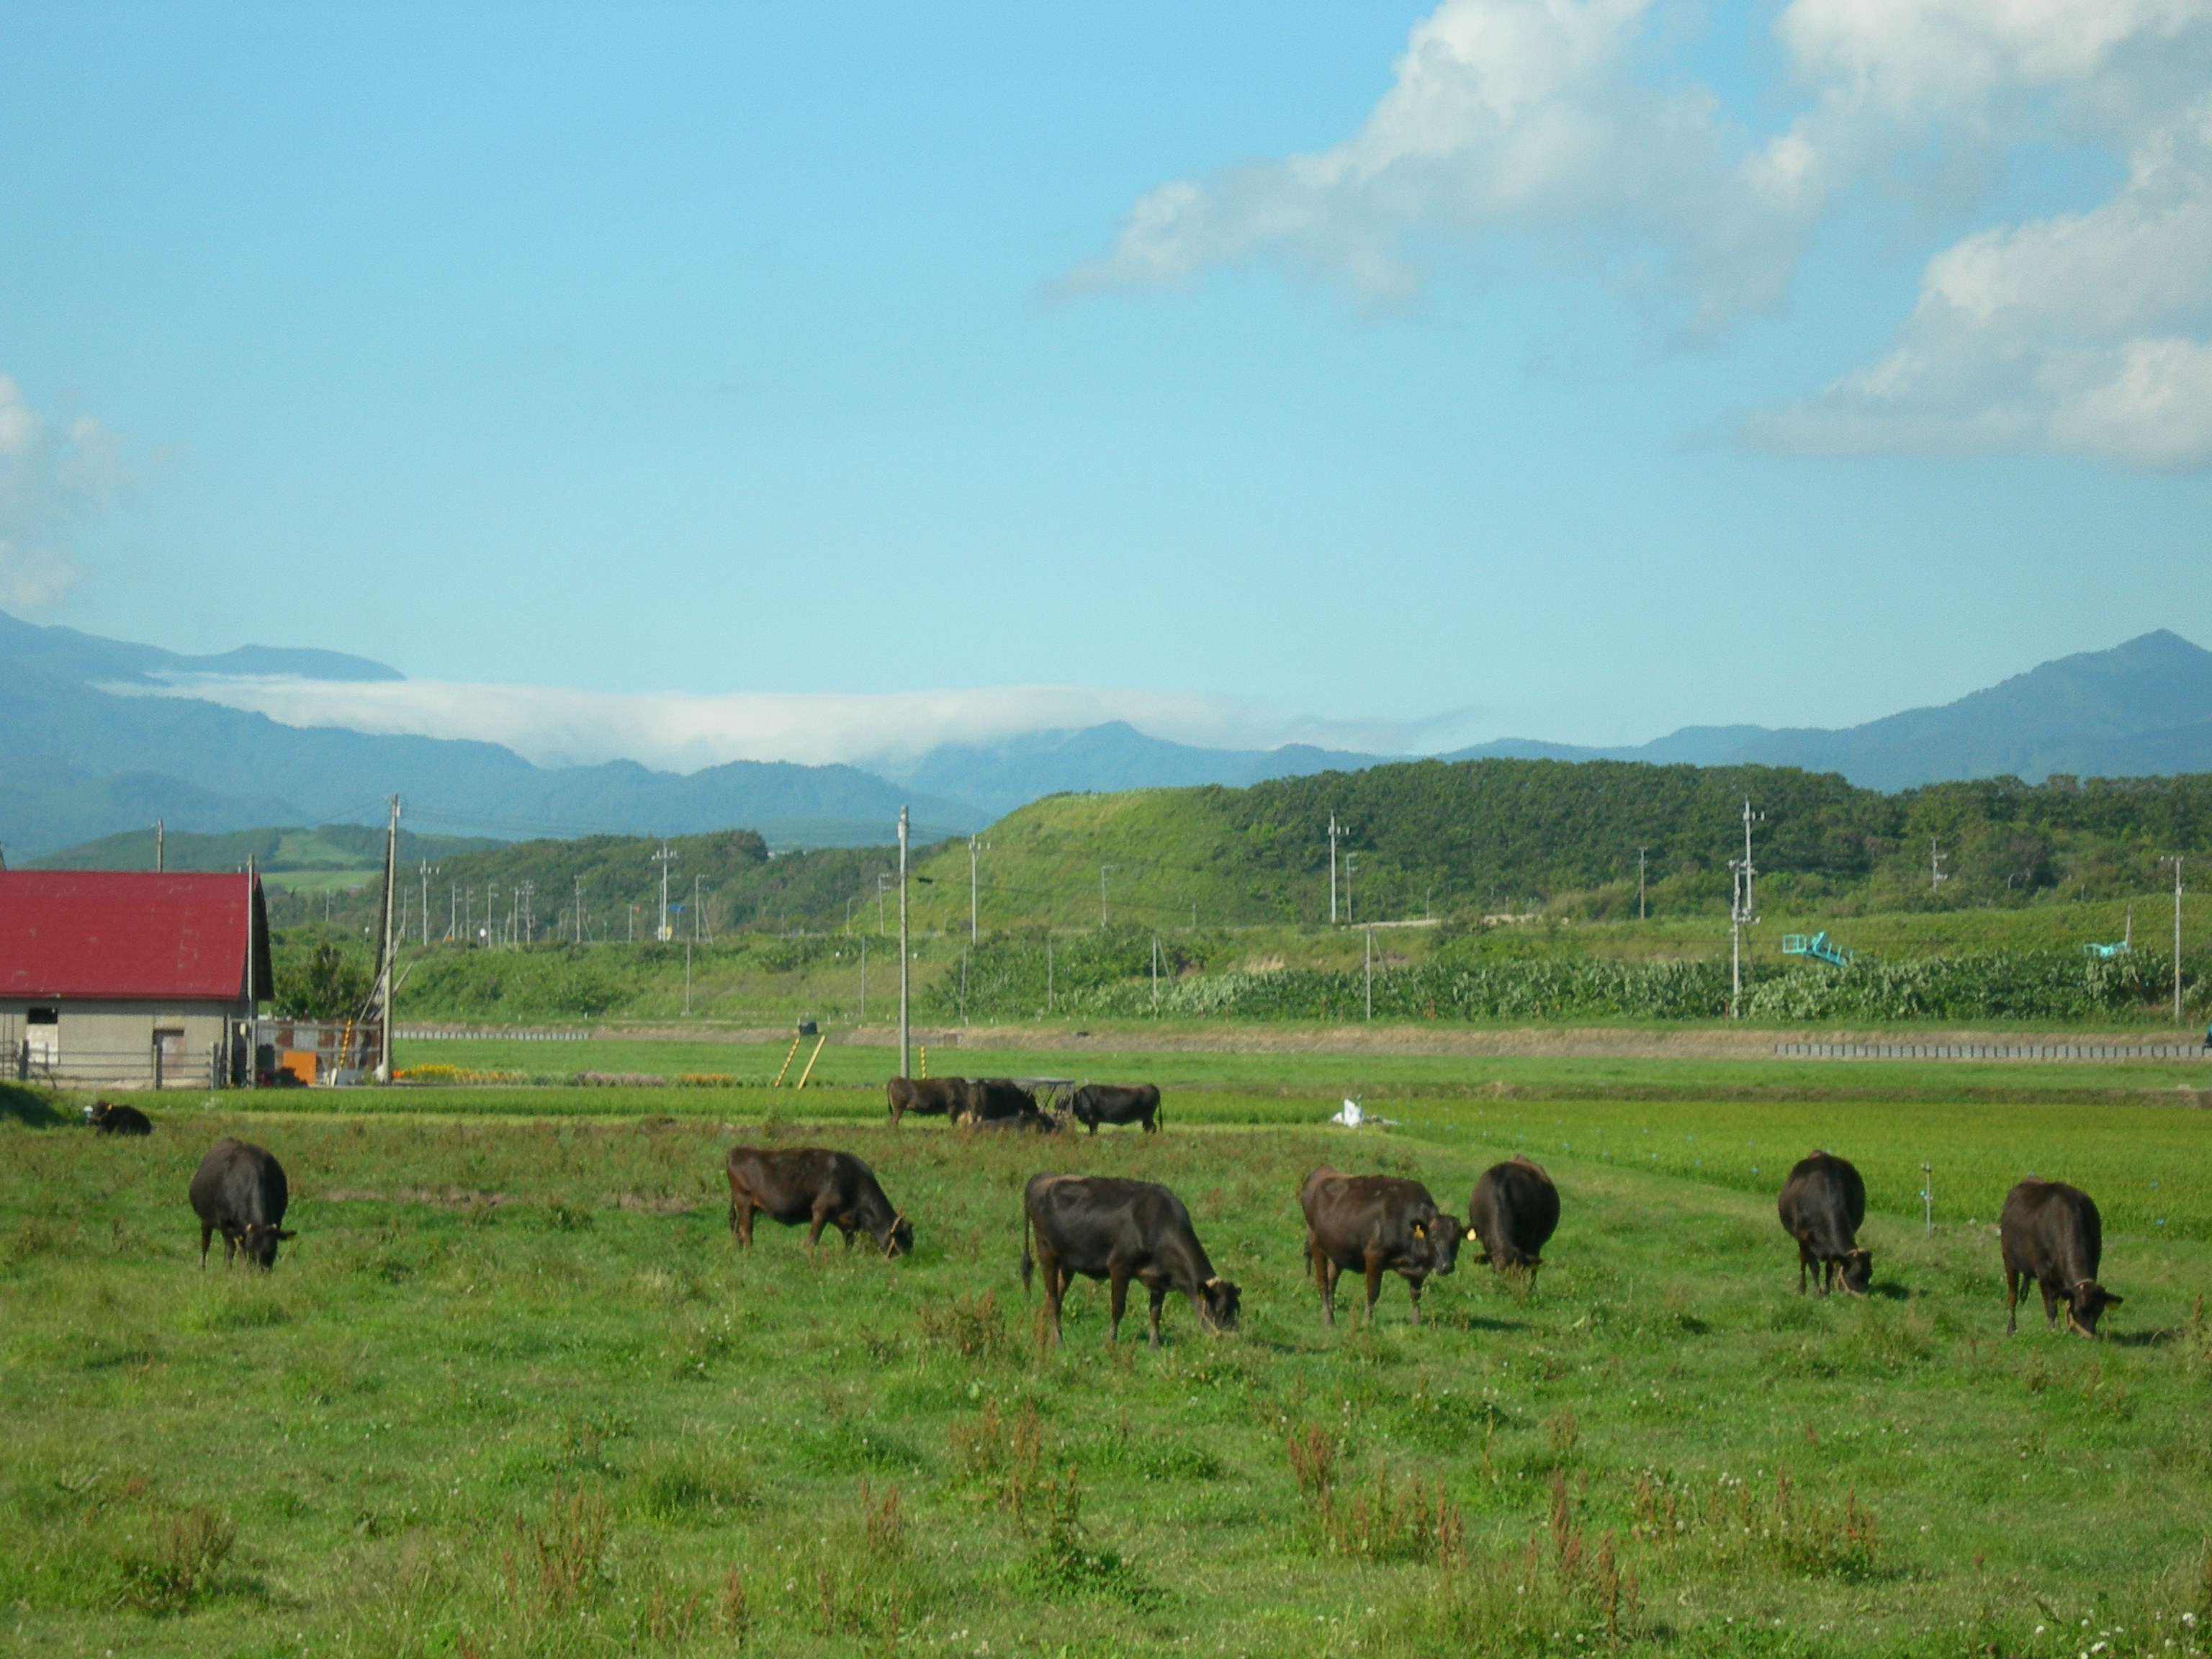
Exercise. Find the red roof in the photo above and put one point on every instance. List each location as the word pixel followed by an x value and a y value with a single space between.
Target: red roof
pixel 83 933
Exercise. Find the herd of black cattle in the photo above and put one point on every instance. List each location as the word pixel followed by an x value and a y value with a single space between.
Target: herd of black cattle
pixel 1117 1230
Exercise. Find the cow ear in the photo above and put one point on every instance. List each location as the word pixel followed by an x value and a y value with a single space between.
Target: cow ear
pixel 2111 1301
pixel 287 1235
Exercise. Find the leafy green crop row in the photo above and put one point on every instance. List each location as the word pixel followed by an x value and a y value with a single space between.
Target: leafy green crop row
pixel 1007 979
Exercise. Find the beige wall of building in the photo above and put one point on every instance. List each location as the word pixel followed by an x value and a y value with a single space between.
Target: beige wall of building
pixel 114 1041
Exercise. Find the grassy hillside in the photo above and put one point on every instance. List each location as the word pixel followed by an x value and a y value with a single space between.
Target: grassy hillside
pixel 1511 836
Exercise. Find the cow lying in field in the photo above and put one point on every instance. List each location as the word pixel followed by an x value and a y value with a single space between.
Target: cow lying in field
pixel 1095 1104
pixel 993 1099
pixel 1118 1231
pixel 240 1191
pixel 2051 1233
pixel 818 1186
pixel 1513 1212
pixel 1374 1224
pixel 109 1119
pixel 926 1096
pixel 1822 1206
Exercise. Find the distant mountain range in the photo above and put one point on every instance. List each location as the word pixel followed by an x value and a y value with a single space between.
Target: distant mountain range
pixel 2141 709
pixel 90 758
pixel 86 761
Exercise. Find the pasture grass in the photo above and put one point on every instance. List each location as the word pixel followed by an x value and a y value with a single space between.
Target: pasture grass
pixel 1121 1055
pixel 513 1391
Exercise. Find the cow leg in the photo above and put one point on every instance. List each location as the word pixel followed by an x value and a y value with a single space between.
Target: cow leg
pixel 206 1234
pixel 743 1223
pixel 1374 1285
pixel 1117 1282
pixel 814 1233
pixel 1055 1285
pixel 1804 1261
pixel 2011 1296
pixel 2050 1305
pixel 1093 1128
pixel 1324 1280
pixel 1159 1295
pixel 1413 1289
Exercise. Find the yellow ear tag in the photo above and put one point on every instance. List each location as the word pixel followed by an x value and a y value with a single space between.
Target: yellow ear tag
pixel 1470 1235
pixel 1419 1231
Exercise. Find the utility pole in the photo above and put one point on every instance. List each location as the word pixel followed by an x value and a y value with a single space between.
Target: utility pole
pixel 687 979
pixel 2177 938
pixel 1156 973
pixel 252 990
pixel 384 954
pixel 864 979
pixel 580 909
pixel 1741 913
pixel 664 858
pixel 1371 976
pixel 426 904
pixel 1639 882
pixel 158 866
pixel 1103 869
pixel 971 888
pixel 1048 971
pixel 1347 889
pixel 1935 876
pixel 1332 869
pixel 695 923
pixel 882 880
pixel 452 910
pixel 906 952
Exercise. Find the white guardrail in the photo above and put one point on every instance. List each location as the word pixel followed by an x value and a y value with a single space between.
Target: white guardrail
pixel 1993 1051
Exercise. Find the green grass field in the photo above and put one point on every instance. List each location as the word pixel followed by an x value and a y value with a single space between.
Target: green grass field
pixel 513 1391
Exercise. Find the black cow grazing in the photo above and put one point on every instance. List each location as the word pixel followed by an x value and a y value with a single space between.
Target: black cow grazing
pixel 240 1191
pixel 814 1185
pixel 926 1096
pixel 1823 1205
pixel 1374 1223
pixel 1095 1104
pixel 1513 1214
pixel 1118 1231
pixel 2050 1232
pixel 109 1119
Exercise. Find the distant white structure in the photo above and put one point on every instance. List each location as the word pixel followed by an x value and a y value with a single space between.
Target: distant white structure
pixel 1351 1117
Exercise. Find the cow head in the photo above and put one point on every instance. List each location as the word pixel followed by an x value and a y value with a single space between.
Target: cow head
pixel 1858 1271
pixel 259 1242
pixel 1216 1305
pixel 96 1110
pixel 2086 1304
pixel 898 1238
pixel 1443 1233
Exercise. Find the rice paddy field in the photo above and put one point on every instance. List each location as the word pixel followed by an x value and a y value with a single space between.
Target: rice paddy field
pixel 513 1390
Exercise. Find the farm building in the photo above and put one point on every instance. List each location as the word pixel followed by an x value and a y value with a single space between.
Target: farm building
pixel 130 978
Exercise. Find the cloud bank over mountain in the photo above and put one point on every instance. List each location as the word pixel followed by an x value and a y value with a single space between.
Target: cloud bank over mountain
pixel 685 732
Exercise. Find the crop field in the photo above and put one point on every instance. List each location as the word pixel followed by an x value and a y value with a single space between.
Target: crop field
pixel 513 1390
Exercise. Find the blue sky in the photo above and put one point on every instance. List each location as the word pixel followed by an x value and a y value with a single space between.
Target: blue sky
pixel 1382 374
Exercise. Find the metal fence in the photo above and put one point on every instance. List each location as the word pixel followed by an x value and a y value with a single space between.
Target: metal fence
pixel 285 1052
pixel 149 1068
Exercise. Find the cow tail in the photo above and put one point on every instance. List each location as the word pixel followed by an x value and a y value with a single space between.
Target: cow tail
pixel 1026 1263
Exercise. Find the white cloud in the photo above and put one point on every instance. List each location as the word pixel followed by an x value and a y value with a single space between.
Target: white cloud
pixel 2078 334
pixel 50 476
pixel 682 732
pixel 1546 137
pixel 1525 131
